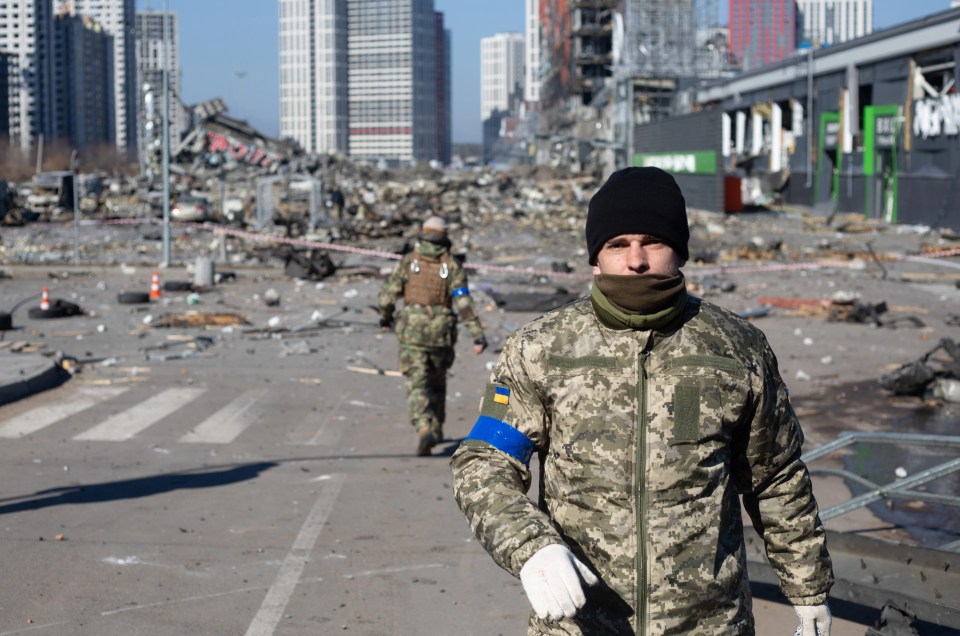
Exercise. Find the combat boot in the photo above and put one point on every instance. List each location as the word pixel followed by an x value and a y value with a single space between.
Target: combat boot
pixel 426 443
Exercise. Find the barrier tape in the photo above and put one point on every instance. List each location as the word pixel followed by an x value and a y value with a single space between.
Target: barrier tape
pixel 507 269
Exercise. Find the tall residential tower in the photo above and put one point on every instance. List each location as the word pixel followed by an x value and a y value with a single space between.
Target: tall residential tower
pixel 531 84
pixel 26 36
pixel 501 73
pixel 827 22
pixel 158 50
pixel 762 32
pixel 313 74
pixel 370 78
pixel 117 18
pixel 392 80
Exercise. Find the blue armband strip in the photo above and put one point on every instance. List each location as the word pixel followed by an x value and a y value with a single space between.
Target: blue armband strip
pixel 503 437
pixel 460 291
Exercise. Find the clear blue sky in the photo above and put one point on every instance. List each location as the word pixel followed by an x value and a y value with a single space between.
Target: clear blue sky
pixel 228 49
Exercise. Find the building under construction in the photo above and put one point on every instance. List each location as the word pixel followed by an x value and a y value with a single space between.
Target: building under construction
pixel 608 65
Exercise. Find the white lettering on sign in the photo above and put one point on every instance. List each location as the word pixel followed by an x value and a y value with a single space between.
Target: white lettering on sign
pixel 672 163
pixel 933 117
pixel 885 131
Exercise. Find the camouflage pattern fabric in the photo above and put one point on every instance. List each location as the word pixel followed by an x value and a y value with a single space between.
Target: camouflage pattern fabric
pixel 427 335
pixel 645 439
pixel 425 373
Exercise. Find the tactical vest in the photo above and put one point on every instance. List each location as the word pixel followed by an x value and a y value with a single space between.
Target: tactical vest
pixel 426 282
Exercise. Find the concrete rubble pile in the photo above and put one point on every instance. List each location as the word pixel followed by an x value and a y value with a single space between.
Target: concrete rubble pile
pixel 269 198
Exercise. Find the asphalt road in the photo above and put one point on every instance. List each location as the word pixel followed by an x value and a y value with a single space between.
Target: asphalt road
pixel 243 490
pixel 248 482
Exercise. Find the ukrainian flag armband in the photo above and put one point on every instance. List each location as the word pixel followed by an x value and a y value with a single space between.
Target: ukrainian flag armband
pixel 492 429
pixel 460 291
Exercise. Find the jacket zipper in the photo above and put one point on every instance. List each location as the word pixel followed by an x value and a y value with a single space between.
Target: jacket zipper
pixel 641 462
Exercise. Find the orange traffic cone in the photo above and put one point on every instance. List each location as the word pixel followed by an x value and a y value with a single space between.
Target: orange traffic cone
pixel 155 287
pixel 45 300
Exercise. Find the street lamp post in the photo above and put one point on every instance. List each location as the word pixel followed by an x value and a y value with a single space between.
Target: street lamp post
pixel 75 167
pixel 166 139
pixel 810 146
pixel 223 215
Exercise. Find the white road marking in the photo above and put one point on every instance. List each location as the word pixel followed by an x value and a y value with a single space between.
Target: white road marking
pixel 127 424
pixel 33 628
pixel 274 604
pixel 43 416
pixel 226 424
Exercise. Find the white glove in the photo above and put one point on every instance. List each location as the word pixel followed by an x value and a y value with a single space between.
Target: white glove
pixel 814 620
pixel 551 579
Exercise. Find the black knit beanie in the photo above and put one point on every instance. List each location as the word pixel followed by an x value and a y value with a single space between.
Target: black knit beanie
pixel 638 201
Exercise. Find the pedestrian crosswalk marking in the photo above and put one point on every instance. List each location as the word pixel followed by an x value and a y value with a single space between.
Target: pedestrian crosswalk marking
pixel 129 423
pixel 225 425
pixel 43 416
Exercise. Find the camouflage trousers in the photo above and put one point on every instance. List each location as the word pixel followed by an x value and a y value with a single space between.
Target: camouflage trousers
pixel 425 370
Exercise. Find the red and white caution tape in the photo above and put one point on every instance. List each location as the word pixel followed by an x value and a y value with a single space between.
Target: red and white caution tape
pixel 507 269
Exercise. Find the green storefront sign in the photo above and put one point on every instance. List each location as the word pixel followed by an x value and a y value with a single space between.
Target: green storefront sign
pixel 681 162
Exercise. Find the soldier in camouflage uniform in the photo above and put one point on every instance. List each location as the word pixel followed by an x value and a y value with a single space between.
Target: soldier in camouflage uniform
pixel 434 289
pixel 650 411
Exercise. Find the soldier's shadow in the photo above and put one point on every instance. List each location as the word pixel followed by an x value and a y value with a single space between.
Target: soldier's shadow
pixel 208 477
pixel 447 447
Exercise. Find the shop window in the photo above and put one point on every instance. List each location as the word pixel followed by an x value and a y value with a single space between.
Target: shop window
pixel 937 70
pixel 936 102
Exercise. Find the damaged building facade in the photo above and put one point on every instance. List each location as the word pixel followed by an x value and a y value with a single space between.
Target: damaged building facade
pixel 608 66
pixel 869 126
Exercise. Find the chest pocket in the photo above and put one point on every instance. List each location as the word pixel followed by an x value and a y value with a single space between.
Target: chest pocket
pixel 583 393
pixel 709 394
pixel 590 402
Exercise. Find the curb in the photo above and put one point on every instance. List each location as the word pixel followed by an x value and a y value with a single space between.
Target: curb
pixel 22 375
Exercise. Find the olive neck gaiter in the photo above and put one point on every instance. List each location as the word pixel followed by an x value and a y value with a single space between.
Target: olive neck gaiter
pixel 649 301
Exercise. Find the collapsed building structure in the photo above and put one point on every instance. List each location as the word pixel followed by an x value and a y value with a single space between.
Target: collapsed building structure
pixel 611 65
pixel 868 126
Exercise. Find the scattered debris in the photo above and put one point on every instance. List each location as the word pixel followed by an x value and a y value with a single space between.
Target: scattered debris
pixel 894 621
pixel 369 371
pixel 58 308
pixel 914 378
pixel 311 265
pixel 197 319
pixel 532 301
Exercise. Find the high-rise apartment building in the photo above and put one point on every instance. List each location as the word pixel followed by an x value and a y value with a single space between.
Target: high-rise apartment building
pixel 370 78
pixel 531 83
pixel 82 90
pixel 6 63
pixel 761 32
pixel 501 73
pixel 313 74
pixel 158 49
pixel 392 80
pixel 26 36
pixel 118 19
pixel 827 22
pixel 444 93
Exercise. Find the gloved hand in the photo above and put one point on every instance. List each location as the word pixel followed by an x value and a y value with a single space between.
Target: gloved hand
pixel 386 323
pixel 479 345
pixel 551 579
pixel 814 620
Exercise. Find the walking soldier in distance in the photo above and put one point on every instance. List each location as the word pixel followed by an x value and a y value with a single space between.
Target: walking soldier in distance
pixel 433 286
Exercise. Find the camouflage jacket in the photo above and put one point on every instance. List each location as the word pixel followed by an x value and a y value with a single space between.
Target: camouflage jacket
pixel 429 325
pixel 645 440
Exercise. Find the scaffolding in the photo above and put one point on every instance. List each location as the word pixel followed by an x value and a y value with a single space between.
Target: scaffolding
pixel 610 65
pixel 670 38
